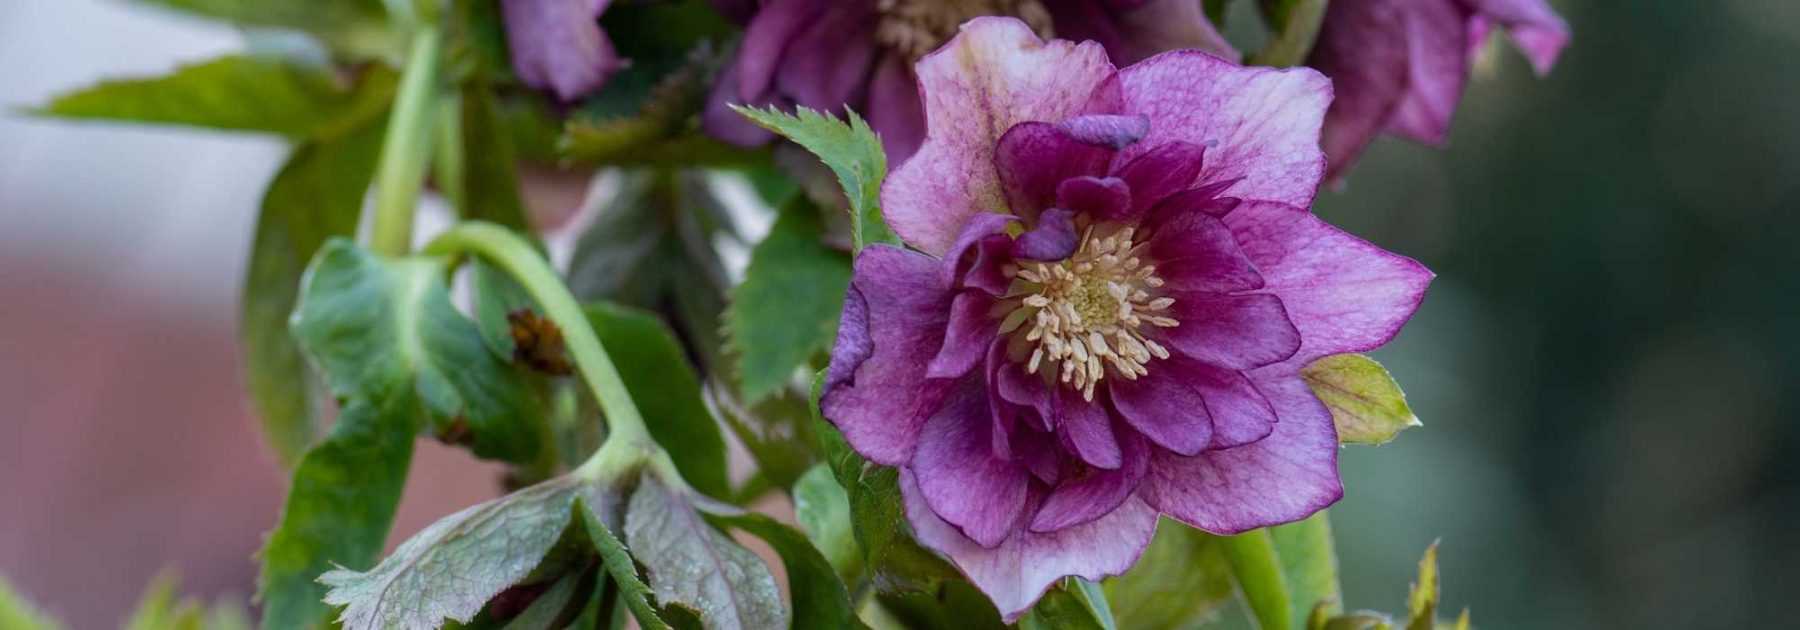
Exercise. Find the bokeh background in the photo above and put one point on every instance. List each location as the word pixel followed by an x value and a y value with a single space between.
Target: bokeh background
pixel 1606 366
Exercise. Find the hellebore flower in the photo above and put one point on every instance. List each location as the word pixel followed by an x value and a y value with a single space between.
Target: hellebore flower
pixel 1116 286
pixel 557 45
pixel 826 54
pixel 1400 65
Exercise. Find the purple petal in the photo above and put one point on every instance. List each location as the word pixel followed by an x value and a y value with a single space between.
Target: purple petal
pixel 1344 294
pixel 958 474
pixel 1132 30
pixel 965 259
pixel 1016 573
pixel 971 330
pixel 1265 122
pixel 1533 26
pixel 1204 199
pixel 1162 171
pixel 558 45
pixel 995 74
pixel 1112 131
pixel 1196 252
pixel 766 41
pixel 1053 238
pixel 1363 48
pixel 828 63
pixel 1086 429
pixel 894 109
pixel 1034 157
pixel 1437 43
pixel 894 318
pixel 1240 413
pixel 1162 407
pixel 1096 493
pixel 1104 198
pixel 1284 477
pixel 1238 332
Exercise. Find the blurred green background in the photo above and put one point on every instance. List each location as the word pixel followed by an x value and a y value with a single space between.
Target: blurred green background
pixel 1606 365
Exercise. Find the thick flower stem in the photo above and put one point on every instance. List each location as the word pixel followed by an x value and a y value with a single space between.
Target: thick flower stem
pixel 1299 21
pixel 406 149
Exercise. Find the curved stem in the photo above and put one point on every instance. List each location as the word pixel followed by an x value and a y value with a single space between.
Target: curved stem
pixel 515 255
pixel 407 146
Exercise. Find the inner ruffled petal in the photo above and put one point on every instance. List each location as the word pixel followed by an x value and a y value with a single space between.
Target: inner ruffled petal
pixel 1094 493
pixel 1238 332
pixel 1033 157
pixel 1197 252
pixel 962 480
pixel 1161 171
pixel 1104 198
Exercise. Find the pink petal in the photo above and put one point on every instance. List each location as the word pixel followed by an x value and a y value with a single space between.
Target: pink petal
pixel 1533 26
pixel 1236 332
pixel 1105 198
pixel 766 40
pixel 1265 122
pixel 1363 48
pixel 995 74
pixel 828 63
pixel 958 474
pixel 1016 573
pixel 1437 42
pixel 558 45
pixel 1196 252
pixel 1161 171
pixel 1034 157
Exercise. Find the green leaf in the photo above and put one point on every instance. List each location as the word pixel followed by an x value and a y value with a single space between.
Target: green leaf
pixel 820 598
pixel 621 568
pixel 236 93
pixel 339 507
pixel 355 26
pixel 160 607
pixel 1285 571
pixel 851 150
pixel 549 605
pixel 1366 404
pixel 452 568
pixel 823 509
pixel 490 186
pixel 787 308
pixel 666 391
pixel 692 565
pixel 1258 571
pixel 317 195
pixel 1076 605
pixel 17 613
pixel 1421 602
pixel 1182 579
pixel 376 327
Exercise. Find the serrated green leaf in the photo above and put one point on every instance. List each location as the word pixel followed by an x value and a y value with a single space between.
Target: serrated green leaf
pixel 317 195
pixel 820 598
pixel 1366 404
pixel 823 509
pixel 693 565
pixel 339 507
pixel 621 568
pixel 452 568
pixel 1181 580
pixel 236 93
pixel 16 612
pixel 1421 602
pixel 376 326
pixel 787 308
pixel 1077 604
pixel 667 392
pixel 851 150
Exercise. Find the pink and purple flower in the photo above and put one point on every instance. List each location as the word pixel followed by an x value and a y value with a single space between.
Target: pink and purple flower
pixel 557 45
pixel 829 54
pixel 1116 282
pixel 1400 65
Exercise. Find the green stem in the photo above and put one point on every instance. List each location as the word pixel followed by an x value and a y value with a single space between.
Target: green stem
pixel 447 161
pixel 407 146
pixel 515 255
pixel 1258 571
pixel 1299 23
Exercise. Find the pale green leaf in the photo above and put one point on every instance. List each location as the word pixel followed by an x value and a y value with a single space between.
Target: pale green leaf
pixel 1366 404
pixel 17 613
pixel 452 568
pixel 1308 564
pixel 1258 570
pixel 1181 580
pixel 850 149
pixel 787 308
pixel 667 393
pixel 823 509
pixel 358 27
pixel 693 565
pixel 1422 601
pixel 237 93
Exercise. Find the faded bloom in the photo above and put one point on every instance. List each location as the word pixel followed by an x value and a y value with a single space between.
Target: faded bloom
pixel 1400 65
pixel 557 45
pixel 828 54
pixel 1119 282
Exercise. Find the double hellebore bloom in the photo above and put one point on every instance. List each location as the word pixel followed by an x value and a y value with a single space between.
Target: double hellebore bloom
pixel 1400 65
pixel 828 54
pixel 557 45
pixel 1117 282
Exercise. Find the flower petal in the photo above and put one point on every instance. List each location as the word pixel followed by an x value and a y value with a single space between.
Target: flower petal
pixel 1034 157
pixel 995 74
pixel 1086 429
pixel 893 323
pixel 1053 238
pixel 1196 252
pixel 1084 498
pixel 1265 121
pixel 1161 406
pixel 894 108
pixel 1134 29
pixel 828 64
pixel 1362 47
pixel 1204 199
pixel 765 44
pixel 1161 171
pixel 1344 294
pixel 959 476
pixel 1113 131
pixel 967 260
pixel 1016 573
pixel 1105 198
pixel 558 45
pixel 1533 26
pixel 1284 477
pixel 970 331
pixel 1240 413
pixel 1437 40
pixel 1237 332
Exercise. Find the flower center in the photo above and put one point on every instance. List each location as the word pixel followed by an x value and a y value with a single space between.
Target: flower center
pixel 1088 312
pixel 917 27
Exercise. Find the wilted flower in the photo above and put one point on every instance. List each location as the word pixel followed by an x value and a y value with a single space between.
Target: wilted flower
pixel 826 54
pixel 1400 65
pixel 557 45
pixel 1119 283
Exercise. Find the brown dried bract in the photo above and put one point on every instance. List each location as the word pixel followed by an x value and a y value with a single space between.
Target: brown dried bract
pixel 538 343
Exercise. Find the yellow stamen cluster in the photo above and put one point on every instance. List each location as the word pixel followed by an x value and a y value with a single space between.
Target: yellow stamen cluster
pixel 917 27
pixel 1088 312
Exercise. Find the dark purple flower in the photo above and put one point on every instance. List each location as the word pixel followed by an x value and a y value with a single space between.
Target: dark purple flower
pixel 828 54
pixel 557 45
pixel 1116 284
pixel 1400 65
